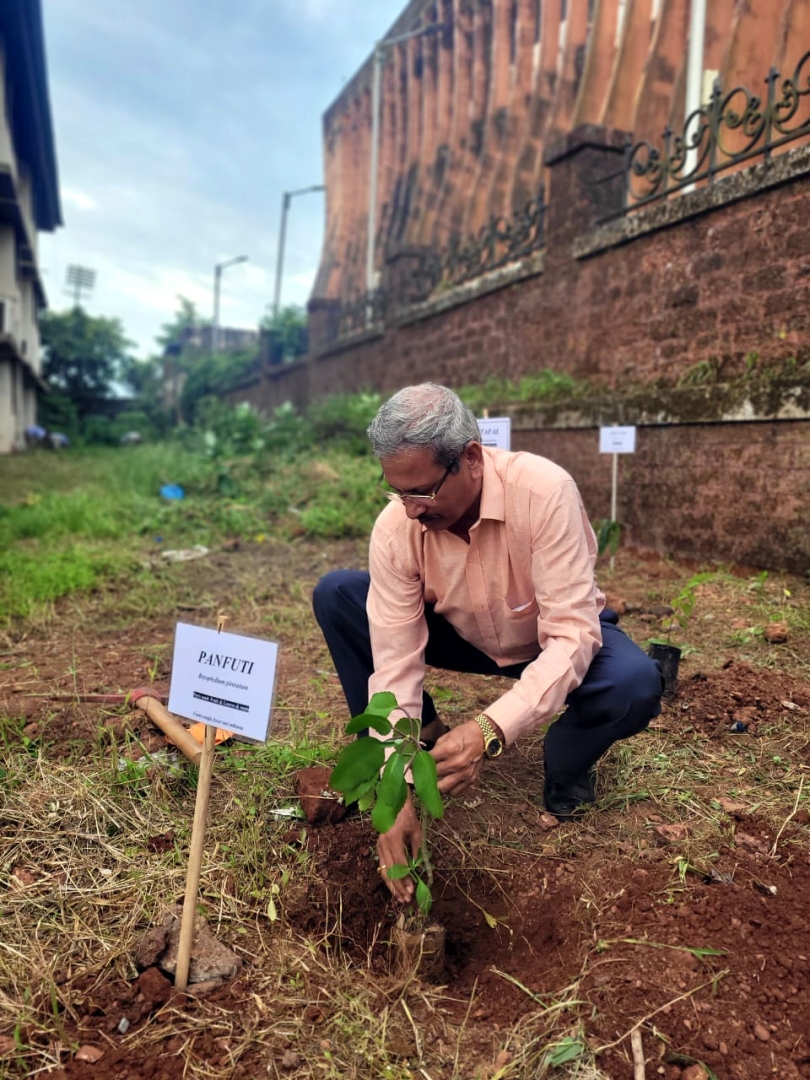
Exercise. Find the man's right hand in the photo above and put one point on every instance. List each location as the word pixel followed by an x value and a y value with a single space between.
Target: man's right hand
pixel 404 836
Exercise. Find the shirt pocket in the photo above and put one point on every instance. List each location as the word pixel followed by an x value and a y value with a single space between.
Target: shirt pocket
pixel 517 625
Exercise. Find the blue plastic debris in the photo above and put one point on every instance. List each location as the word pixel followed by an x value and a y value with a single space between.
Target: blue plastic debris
pixel 738 727
pixel 172 491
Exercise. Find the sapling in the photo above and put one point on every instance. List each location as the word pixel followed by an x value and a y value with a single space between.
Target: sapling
pixel 363 775
pixel 682 606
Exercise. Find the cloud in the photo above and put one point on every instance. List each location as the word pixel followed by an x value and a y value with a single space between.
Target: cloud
pixel 78 199
pixel 178 127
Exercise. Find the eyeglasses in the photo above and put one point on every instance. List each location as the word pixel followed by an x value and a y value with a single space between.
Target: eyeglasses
pixel 394 496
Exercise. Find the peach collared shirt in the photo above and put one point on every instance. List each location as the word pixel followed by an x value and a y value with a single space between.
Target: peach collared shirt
pixel 523 589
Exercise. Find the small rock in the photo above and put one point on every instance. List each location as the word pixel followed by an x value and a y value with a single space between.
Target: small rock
pixel 123 1025
pixel 90 1054
pixel 671 834
pixel 694 1072
pixel 22 878
pixel 776 633
pixel 802 817
pixel 502 1058
pixel 761 1032
pixel 7 1045
pixel 547 822
pixel 313 1013
pixel 290 1060
pixel 209 958
pixel 31 730
pixel 200 989
pixel 400 1047
pixel 154 987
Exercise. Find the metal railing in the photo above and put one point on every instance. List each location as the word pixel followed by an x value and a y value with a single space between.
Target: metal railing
pixel 734 126
pixel 426 274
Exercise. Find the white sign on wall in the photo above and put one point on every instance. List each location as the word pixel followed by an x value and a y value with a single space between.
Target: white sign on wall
pixel 496 432
pixel 223 680
pixel 617 440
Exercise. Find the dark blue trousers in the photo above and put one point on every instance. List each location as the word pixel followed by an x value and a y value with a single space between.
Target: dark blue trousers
pixel 618 697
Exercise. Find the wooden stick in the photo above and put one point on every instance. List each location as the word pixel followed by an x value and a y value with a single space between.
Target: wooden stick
pixel 171 728
pixel 639 1072
pixel 195 859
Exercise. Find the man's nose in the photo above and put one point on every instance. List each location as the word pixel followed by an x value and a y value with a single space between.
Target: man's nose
pixel 415 510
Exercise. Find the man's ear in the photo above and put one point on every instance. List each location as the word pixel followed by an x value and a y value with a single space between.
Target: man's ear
pixel 474 456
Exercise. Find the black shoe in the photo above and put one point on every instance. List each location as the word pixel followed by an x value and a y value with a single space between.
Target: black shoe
pixel 567 799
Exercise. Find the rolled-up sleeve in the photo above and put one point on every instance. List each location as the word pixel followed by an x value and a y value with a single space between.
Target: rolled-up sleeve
pixel 396 616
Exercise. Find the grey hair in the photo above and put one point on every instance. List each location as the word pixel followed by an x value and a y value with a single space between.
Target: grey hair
pixel 427 415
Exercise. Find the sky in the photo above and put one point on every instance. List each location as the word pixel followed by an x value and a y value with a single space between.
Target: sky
pixel 179 125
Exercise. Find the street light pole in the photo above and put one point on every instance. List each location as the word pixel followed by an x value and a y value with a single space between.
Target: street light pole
pixel 694 77
pixel 217 285
pixel 282 236
pixel 376 88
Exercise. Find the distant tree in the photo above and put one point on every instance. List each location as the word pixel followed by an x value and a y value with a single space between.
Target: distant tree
pixel 83 355
pixel 212 376
pixel 287 333
pixel 145 379
pixel 56 412
pixel 186 321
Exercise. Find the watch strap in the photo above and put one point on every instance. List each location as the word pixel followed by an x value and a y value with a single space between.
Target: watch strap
pixel 490 735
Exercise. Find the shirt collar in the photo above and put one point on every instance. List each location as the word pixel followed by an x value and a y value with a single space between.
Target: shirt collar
pixel 493 499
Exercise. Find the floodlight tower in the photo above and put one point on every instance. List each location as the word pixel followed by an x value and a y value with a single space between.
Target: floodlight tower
pixel 79 279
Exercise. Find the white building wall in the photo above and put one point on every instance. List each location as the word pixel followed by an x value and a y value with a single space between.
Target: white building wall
pixel 20 357
pixel 7 418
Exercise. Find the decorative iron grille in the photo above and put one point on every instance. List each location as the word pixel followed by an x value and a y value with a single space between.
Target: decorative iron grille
pixel 498 243
pixel 732 127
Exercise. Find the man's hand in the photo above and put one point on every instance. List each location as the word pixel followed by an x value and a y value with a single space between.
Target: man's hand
pixel 404 836
pixel 458 756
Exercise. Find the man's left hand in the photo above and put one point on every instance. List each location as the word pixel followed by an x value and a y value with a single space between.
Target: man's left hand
pixel 458 756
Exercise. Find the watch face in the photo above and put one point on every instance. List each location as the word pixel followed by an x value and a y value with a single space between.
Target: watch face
pixel 494 748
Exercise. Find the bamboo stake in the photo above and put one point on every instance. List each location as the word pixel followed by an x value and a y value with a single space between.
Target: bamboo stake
pixel 639 1072
pixel 171 728
pixel 196 850
pixel 195 859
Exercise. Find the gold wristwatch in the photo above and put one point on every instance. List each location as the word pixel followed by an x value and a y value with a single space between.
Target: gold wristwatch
pixel 493 745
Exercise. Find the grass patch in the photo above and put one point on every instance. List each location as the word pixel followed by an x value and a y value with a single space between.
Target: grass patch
pixel 96 516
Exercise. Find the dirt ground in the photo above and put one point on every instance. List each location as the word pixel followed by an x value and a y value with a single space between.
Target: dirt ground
pixel 707 960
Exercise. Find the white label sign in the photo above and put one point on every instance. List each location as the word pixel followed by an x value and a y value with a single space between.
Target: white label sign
pixel 223 680
pixel 617 440
pixel 496 432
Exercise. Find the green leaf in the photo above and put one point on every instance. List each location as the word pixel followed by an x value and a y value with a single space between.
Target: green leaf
pixel 358 762
pixel 407 727
pixel 382 703
pixel 569 1049
pixel 397 871
pixel 424 901
pixel 392 789
pixel 357 793
pixel 382 817
pixel 425 780
pixel 368 720
pixel 367 800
